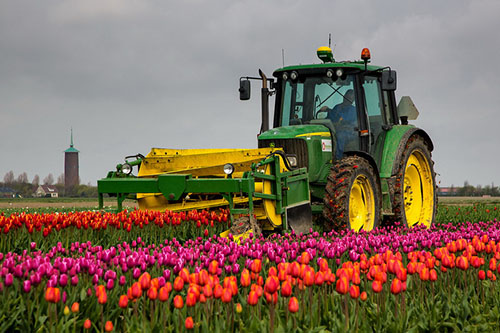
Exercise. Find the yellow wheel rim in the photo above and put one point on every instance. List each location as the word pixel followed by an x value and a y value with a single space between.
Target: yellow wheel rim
pixel 361 204
pixel 418 190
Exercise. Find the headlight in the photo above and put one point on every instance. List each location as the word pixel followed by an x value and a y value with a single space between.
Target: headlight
pixel 329 73
pixel 285 76
pixel 339 72
pixel 292 160
pixel 294 75
pixel 228 169
pixel 126 169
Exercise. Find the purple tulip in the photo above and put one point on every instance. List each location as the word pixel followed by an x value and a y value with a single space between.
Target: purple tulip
pixel 9 280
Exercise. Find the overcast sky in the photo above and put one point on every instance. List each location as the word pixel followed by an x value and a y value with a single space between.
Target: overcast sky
pixel 128 75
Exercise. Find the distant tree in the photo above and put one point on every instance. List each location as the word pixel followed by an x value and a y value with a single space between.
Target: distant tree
pixel 49 180
pixel 22 178
pixel 60 179
pixel 36 180
pixel 9 177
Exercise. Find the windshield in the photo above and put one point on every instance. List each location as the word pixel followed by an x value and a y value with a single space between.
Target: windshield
pixel 312 98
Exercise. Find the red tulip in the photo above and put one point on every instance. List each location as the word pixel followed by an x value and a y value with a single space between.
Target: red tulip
pixel 293 304
pixel 377 286
pixel 286 289
pixel 342 286
pixel 482 275
pixel 189 323
pixel 87 324
pixel 396 286
pixel 108 327
pixel 354 291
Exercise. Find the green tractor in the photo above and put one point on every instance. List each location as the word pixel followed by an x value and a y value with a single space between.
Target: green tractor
pixel 340 147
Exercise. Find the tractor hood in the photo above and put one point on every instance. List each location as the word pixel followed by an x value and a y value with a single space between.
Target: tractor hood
pixel 296 131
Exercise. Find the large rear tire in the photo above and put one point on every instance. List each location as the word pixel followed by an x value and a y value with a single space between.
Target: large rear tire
pixel 415 199
pixel 352 195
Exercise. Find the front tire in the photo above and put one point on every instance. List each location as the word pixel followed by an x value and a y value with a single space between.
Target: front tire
pixel 415 199
pixel 352 195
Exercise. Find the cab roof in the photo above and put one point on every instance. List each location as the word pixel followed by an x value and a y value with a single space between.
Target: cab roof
pixel 360 65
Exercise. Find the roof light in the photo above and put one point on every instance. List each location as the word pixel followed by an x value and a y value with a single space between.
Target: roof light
pixel 325 54
pixel 365 54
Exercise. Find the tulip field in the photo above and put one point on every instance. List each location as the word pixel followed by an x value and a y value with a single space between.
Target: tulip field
pixel 145 271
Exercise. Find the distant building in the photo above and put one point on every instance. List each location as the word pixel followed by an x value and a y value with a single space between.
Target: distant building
pixel 447 191
pixel 47 191
pixel 71 177
pixel 7 192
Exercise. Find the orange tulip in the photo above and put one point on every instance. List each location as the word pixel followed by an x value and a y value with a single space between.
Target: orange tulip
pixel 286 289
pixel 163 294
pixel 271 298
pixel 363 296
pixel 253 298
pixel 342 286
pixel 218 291
pixel 178 302
pixel 212 267
pixel 136 290
pixel 226 296
pixel 433 275
pixel 184 274
pixel 256 266
pixel 293 304
pixel 207 290
pixel 145 280
pixel 178 284
pixel 304 258
pixel 75 307
pixel 53 295
pixel 308 278
pixel 272 284
pixel 354 291
pixel 152 293
pixel 245 279
pixel 123 302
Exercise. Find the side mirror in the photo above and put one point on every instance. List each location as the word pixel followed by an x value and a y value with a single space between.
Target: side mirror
pixel 389 80
pixel 244 90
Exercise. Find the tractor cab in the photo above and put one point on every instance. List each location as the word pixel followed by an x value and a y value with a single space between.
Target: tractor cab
pixel 354 101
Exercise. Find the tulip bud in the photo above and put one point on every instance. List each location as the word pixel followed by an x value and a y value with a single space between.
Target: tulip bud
pixel 189 323
pixel 293 305
pixel 87 324
pixel 108 327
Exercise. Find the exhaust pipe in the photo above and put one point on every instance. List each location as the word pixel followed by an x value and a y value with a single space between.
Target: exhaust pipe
pixel 265 103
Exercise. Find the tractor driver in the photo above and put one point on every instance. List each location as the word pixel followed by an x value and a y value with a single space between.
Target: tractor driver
pixel 344 118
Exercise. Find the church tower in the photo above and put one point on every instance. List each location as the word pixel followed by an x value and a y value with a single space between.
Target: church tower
pixel 71 177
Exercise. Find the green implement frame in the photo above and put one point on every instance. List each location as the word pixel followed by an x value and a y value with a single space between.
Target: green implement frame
pixel 289 189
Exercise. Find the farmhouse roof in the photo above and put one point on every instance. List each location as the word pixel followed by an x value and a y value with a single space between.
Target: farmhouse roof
pixel 49 188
